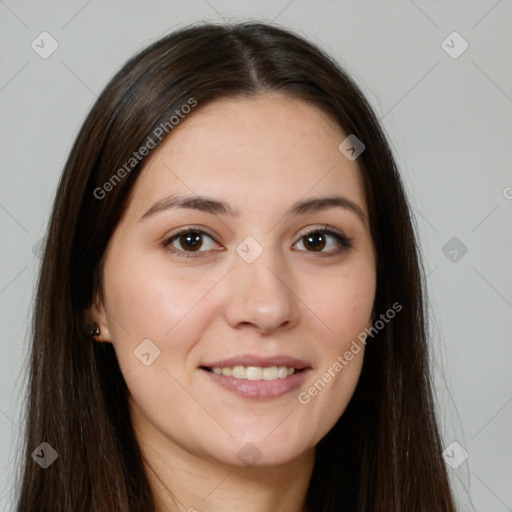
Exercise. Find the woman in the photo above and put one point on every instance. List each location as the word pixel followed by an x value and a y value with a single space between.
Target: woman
pixel 230 312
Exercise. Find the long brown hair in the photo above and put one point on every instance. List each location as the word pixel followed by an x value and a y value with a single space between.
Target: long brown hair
pixel 384 453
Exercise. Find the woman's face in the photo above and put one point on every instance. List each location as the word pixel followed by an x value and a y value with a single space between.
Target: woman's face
pixel 257 284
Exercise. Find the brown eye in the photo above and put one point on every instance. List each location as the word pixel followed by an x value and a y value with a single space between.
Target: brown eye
pixel 190 241
pixel 318 239
pixel 187 241
pixel 315 241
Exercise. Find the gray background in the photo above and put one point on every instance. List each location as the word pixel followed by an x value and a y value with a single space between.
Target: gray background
pixel 449 121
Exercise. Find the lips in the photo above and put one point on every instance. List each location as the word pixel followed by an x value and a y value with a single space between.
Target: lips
pixel 259 361
pixel 262 382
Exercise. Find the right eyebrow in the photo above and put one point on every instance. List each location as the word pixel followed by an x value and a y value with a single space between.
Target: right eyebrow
pixel 201 203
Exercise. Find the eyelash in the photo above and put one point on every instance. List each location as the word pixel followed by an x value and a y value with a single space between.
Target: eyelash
pixel 345 243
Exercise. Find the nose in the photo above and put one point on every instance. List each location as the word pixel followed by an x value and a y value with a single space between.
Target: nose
pixel 261 296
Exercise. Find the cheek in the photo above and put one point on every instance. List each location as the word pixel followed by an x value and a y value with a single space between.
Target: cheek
pixel 169 308
pixel 151 301
pixel 344 304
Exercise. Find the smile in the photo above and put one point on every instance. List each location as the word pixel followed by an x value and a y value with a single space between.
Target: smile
pixel 254 372
pixel 256 382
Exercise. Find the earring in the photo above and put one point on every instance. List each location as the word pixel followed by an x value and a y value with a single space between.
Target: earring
pixel 95 331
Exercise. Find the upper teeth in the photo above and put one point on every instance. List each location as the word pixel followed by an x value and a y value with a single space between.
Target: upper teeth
pixel 255 372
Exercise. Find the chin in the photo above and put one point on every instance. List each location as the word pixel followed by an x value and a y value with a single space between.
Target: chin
pixel 261 452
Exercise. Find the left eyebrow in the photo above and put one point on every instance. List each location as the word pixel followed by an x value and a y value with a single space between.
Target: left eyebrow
pixel 214 207
pixel 318 204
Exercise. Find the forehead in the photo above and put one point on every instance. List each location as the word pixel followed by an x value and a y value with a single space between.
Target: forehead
pixel 259 151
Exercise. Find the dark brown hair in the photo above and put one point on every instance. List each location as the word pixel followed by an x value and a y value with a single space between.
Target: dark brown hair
pixel 384 453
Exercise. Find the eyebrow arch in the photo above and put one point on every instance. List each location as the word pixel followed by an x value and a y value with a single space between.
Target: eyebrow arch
pixel 214 207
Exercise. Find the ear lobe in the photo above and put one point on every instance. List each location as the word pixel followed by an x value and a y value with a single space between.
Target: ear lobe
pixel 97 314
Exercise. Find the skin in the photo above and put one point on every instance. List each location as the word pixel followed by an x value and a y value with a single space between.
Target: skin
pixel 261 156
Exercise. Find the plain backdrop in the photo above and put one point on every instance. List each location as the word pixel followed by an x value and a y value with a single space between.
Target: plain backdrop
pixel 448 116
